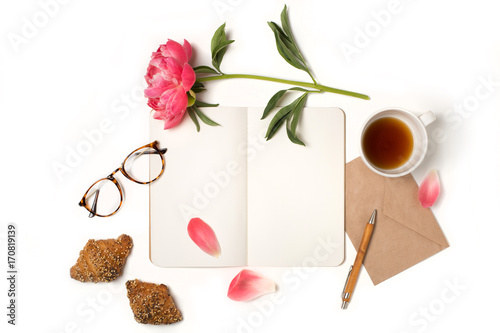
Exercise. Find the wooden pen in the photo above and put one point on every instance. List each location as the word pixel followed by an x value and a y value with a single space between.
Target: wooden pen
pixel 352 277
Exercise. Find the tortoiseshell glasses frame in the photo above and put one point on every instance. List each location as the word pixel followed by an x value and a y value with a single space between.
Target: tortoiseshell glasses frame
pixel 153 149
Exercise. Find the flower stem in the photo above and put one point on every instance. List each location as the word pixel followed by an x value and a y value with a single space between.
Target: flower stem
pixel 291 82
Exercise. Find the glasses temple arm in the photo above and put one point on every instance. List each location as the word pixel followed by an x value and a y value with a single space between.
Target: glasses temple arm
pixel 94 204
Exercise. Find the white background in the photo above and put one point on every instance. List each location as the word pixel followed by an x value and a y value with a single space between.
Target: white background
pixel 68 68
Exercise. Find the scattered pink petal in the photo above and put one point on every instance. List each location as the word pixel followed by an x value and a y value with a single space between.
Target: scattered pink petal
pixel 429 189
pixel 248 285
pixel 204 237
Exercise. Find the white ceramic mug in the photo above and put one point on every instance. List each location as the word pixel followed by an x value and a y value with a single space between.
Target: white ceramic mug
pixel 416 124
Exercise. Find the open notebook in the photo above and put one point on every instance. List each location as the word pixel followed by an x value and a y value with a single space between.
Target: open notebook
pixel 270 203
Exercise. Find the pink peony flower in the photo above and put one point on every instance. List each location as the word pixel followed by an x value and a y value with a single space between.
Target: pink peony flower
pixel 169 77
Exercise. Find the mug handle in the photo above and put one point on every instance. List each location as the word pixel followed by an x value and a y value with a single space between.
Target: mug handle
pixel 427 118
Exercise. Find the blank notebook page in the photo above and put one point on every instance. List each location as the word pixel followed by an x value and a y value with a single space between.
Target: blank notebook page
pixel 296 193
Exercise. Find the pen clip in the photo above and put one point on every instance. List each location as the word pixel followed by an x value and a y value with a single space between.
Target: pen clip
pixel 345 285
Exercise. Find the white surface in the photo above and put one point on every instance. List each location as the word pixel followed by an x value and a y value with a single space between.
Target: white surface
pixel 270 203
pixel 80 73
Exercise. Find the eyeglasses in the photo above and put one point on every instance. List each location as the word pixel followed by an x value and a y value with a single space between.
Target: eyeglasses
pixel 143 166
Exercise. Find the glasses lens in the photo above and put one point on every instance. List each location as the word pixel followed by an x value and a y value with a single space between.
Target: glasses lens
pixel 144 165
pixel 103 198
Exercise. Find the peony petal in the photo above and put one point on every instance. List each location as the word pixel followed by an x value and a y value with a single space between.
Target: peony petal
pixel 429 189
pixel 151 72
pixel 173 69
pixel 173 121
pixel 248 285
pixel 204 237
pixel 174 50
pixel 187 48
pixel 159 115
pixel 175 100
pixel 155 104
pixel 157 87
pixel 188 77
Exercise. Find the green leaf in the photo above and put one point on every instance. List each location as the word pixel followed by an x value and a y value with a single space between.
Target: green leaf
pixel 277 30
pixel 297 112
pixel 204 105
pixel 218 46
pixel 288 32
pixel 205 70
pixel 272 102
pixel 221 47
pixel 204 118
pixel 194 119
pixel 217 37
pixel 292 110
pixel 285 24
pixel 291 54
pixel 198 87
pixel 287 36
pixel 278 120
pixel 293 119
pixel 276 98
pixel 220 51
pixel 286 45
pixel 291 135
pixel 279 34
pixel 286 50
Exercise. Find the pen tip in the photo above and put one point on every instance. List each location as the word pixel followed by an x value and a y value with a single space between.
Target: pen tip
pixel 373 217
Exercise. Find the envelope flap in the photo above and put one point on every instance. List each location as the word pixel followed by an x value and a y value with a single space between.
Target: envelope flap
pixel 401 204
pixel 366 185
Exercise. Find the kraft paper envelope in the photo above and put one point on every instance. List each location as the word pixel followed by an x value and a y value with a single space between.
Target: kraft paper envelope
pixel 404 233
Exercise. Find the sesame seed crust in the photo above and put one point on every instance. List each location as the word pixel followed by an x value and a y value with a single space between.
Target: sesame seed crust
pixel 102 260
pixel 151 303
